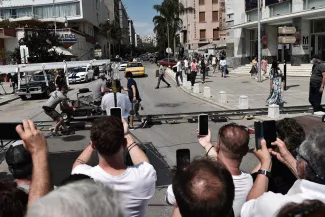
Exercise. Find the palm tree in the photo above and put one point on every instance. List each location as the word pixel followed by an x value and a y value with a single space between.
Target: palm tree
pixel 168 23
pixel 112 32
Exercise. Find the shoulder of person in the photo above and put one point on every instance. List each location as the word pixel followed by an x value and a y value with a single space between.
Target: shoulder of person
pixel 82 169
pixel 145 170
pixel 322 67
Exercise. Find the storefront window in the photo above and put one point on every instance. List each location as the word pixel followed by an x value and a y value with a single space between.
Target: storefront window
pixel 280 9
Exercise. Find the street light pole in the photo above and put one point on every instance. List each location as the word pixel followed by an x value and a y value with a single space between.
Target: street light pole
pixel 168 41
pixel 54 17
pixel 259 40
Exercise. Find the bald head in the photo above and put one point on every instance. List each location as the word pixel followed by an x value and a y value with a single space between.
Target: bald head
pixel 234 140
pixel 204 188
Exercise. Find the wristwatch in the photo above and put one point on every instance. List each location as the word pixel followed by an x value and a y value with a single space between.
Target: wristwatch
pixel 264 172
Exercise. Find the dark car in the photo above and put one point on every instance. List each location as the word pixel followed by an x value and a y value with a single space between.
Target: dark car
pixel 36 85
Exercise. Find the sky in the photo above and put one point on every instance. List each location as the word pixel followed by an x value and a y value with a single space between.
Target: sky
pixel 142 12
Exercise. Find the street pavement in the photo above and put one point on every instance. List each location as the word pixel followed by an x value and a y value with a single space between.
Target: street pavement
pixel 236 85
pixel 160 141
pixel 6 95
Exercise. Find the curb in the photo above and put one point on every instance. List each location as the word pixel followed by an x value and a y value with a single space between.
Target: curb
pixel 299 76
pixel 225 107
pixel 9 100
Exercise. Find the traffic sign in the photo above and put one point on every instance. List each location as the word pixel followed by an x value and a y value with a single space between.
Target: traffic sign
pixel 287 30
pixel 287 40
pixel 169 50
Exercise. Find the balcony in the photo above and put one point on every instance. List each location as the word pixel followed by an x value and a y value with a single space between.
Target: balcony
pixel 7 33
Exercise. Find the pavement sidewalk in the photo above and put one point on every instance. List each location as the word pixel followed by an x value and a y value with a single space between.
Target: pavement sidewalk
pixel 257 92
pixel 6 93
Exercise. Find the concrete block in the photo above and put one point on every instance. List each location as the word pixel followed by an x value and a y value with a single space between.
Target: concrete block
pixel 188 85
pixel 196 88
pixel 223 97
pixel 184 83
pixel 243 102
pixel 207 92
pixel 274 111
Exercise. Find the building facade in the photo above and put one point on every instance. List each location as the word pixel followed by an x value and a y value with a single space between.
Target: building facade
pixel 131 33
pixel 124 24
pixel 307 16
pixel 76 22
pixel 207 25
pixel 138 41
pixel 114 10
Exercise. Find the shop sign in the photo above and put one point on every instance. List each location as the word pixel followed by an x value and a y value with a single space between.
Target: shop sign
pixel 287 30
pixel 287 40
pixel 67 37
pixel 98 53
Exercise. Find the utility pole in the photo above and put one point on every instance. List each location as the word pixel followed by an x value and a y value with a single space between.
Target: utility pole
pixel 54 17
pixel 168 40
pixel 259 40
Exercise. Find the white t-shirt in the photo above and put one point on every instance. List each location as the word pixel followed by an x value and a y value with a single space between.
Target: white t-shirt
pixel 223 62
pixel 269 204
pixel 186 63
pixel 123 102
pixel 243 184
pixel 136 185
pixel 179 66
pixel 214 60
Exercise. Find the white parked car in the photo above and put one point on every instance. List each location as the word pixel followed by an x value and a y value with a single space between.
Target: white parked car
pixel 81 74
pixel 122 66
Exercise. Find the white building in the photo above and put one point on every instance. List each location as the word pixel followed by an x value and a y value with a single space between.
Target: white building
pixel 82 19
pixel 307 16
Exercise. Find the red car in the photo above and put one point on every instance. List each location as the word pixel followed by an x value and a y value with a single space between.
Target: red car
pixel 165 62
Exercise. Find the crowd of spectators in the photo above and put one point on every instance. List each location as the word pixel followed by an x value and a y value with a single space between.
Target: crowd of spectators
pixel 288 181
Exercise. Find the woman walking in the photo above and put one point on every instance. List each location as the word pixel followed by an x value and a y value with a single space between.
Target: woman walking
pixel 194 69
pixel 275 85
pixel 254 67
pixel 223 65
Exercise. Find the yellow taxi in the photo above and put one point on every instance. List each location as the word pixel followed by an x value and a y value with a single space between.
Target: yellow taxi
pixel 136 68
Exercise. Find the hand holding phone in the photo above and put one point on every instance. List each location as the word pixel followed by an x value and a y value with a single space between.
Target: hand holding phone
pixel 203 122
pixel 116 111
pixel 265 130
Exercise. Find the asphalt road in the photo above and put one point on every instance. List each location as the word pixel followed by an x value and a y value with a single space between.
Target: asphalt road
pixel 160 141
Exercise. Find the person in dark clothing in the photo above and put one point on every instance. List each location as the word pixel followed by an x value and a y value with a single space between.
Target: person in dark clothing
pixel 14 82
pixel 134 97
pixel 316 85
pixel 60 80
pixel 203 68
pixel 292 134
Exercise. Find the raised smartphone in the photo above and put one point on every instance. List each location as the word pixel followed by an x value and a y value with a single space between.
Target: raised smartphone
pixel 265 130
pixel 9 131
pixel 183 158
pixel 203 122
pixel 117 112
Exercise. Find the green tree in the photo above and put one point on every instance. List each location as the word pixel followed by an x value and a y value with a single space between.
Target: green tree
pixel 113 33
pixel 39 41
pixel 168 23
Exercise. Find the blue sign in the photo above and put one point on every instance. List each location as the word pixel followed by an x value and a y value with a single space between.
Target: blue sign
pixel 67 38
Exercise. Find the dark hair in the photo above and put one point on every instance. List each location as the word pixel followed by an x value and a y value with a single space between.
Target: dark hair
pixel 13 200
pixel 308 208
pixel 128 75
pixel 213 197
pixel 234 140
pixel 107 135
pixel 274 65
pixel 74 178
pixel 291 133
pixel 19 162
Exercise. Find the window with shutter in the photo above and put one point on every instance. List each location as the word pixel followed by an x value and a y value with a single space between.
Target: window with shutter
pixel 201 2
pixel 215 34
pixel 202 34
pixel 202 17
pixel 214 1
pixel 215 16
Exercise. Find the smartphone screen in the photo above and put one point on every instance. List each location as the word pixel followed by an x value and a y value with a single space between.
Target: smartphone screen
pixel 203 125
pixel 183 158
pixel 117 112
pixel 10 131
pixel 258 127
pixel 269 131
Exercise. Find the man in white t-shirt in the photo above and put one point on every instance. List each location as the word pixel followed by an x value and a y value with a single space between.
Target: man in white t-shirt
pixel 186 66
pixel 122 101
pixel 136 184
pixel 179 72
pixel 231 147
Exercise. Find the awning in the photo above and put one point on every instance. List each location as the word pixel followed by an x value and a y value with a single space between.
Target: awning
pixel 61 50
pixel 308 14
pixel 212 46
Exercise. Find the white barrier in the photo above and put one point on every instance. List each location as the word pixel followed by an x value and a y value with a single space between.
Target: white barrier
pixel 188 85
pixel 207 92
pixel 274 111
pixel 185 83
pixel 196 88
pixel 243 102
pixel 223 97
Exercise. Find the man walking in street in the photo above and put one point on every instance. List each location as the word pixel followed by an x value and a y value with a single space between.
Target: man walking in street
pixel 161 76
pixel 316 85
pixel 186 69
pixel 179 72
pixel 14 82
pixel 134 97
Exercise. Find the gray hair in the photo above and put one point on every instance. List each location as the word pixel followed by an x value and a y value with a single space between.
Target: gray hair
pixel 79 199
pixel 313 150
